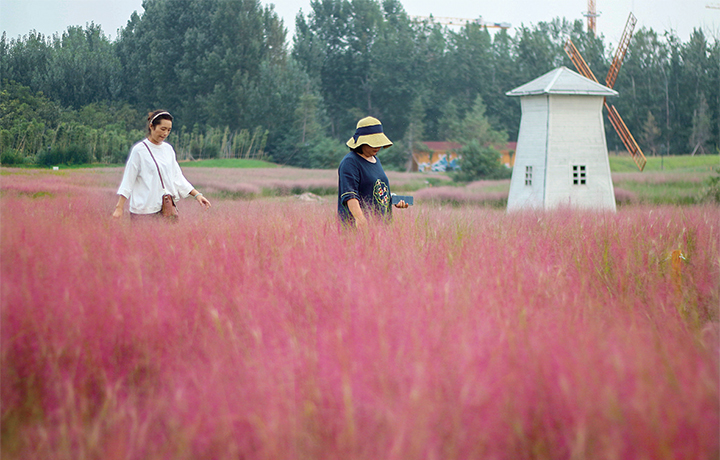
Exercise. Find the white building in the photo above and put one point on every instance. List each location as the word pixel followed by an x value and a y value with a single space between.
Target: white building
pixel 561 157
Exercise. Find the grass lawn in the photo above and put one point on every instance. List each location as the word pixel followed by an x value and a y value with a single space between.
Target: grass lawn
pixel 680 163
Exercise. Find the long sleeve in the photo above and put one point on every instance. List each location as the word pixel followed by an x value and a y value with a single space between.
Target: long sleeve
pixel 183 186
pixel 348 180
pixel 132 168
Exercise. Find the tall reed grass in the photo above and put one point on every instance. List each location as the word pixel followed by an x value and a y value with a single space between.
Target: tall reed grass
pixel 260 330
pixel 263 182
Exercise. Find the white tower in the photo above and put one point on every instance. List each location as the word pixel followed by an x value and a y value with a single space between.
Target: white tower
pixel 561 157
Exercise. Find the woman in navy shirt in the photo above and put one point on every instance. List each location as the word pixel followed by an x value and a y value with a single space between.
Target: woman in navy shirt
pixel 363 186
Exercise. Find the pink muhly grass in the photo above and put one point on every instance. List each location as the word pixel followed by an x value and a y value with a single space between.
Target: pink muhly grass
pixel 625 197
pixel 461 195
pixel 282 181
pixel 259 329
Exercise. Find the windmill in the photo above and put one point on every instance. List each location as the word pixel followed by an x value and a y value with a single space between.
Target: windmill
pixel 617 122
pixel 561 159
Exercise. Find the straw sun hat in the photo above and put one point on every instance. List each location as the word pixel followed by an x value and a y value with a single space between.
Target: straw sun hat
pixel 369 131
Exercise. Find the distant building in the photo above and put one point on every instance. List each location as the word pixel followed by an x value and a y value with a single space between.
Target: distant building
pixel 442 156
pixel 562 157
pixel 508 154
pixel 439 157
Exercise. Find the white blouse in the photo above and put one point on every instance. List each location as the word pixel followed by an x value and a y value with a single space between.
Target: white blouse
pixel 141 183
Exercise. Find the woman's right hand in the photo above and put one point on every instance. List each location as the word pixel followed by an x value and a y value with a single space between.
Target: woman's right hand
pixel 361 222
pixel 353 205
pixel 118 212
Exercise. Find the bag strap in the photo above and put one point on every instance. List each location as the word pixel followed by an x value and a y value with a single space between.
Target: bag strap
pixel 156 165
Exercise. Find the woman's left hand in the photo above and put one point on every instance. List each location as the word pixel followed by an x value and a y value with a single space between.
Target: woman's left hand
pixel 401 204
pixel 203 201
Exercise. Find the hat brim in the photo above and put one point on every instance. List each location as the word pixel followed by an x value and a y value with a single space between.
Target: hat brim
pixel 379 140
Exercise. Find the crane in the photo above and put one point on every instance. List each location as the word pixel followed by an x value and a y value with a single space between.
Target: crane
pixel 591 15
pixel 461 21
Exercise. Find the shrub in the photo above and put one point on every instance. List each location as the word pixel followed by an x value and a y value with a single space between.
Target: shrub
pixel 324 153
pixel 72 155
pixel 11 157
pixel 711 191
pixel 478 162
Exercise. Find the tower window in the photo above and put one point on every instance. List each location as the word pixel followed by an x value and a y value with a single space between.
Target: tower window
pixel 528 175
pixel 579 175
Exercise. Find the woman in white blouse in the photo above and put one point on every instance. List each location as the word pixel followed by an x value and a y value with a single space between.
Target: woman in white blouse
pixel 141 184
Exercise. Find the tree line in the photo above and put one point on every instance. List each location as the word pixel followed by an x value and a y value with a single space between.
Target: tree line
pixel 238 88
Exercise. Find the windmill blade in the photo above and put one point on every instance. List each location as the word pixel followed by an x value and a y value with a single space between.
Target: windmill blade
pixel 632 147
pixel 578 60
pixel 622 49
pixel 628 140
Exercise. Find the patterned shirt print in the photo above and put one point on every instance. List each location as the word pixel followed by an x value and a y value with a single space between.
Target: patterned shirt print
pixel 381 194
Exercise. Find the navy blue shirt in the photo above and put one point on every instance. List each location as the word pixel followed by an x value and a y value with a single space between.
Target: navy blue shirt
pixel 366 182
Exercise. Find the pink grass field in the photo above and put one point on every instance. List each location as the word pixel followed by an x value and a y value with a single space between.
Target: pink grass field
pixel 259 330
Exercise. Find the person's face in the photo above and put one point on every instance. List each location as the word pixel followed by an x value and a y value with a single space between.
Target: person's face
pixel 369 151
pixel 160 131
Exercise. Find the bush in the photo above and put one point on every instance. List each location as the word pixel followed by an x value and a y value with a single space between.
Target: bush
pixel 711 191
pixel 72 155
pixel 326 153
pixel 395 158
pixel 478 162
pixel 11 157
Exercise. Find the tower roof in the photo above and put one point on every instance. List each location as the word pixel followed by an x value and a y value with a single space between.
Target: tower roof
pixel 562 81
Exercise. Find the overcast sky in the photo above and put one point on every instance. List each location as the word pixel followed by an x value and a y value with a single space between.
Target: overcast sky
pixel 18 17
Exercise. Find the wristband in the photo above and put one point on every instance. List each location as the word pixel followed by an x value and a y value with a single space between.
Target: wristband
pixel 198 194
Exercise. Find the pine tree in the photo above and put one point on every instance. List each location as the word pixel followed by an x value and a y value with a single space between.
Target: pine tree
pixel 700 126
pixel 650 133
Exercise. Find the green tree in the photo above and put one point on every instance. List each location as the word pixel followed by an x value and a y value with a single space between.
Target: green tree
pixel 713 94
pixel 400 155
pixel 469 64
pixel 449 125
pixel 505 110
pixel 83 68
pixel 25 60
pixel 478 162
pixel 362 57
pixel 641 84
pixel 690 78
pixel 476 127
pixel 306 117
pixel 537 51
pixel 201 58
pixel 700 127
pixel 650 134
pixel 325 153
pixel 479 157
pixel 18 102
pixel 345 32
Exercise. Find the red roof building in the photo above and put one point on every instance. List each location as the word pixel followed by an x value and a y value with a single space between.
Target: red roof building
pixel 442 156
